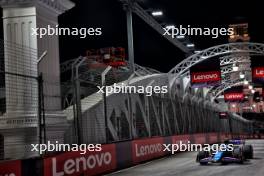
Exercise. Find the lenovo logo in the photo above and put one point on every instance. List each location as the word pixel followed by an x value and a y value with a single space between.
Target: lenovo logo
pixel 75 164
pixel 234 96
pixel 258 72
pixel 147 149
pixel 206 77
pixel 81 164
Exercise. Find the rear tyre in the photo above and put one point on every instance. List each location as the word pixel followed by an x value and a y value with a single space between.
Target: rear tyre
pixel 248 151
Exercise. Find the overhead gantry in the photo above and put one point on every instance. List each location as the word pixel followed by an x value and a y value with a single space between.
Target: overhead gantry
pixel 181 70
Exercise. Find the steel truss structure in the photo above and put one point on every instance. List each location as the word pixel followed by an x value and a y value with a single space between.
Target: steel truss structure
pixel 233 53
pixel 234 58
pixel 216 91
pixel 227 69
pixel 186 64
pixel 138 10
pixel 227 61
pixel 130 116
pixel 124 116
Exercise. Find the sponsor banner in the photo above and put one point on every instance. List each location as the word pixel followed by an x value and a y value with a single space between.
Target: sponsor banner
pixel 146 149
pixel 204 77
pixel 223 115
pixel 234 96
pixel 222 137
pixel 167 140
pixel 75 164
pixel 257 67
pixel 258 75
pixel 178 138
pixel 225 136
pixel 206 73
pixel 123 154
pixel 200 138
pixel 213 138
pixel 10 168
pixel 258 72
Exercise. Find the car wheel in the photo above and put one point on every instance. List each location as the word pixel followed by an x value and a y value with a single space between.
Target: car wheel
pixel 248 151
pixel 201 155
pixel 238 153
pixel 224 162
pixel 203 163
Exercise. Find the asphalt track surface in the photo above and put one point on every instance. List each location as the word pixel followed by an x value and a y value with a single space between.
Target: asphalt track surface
pixel 183 164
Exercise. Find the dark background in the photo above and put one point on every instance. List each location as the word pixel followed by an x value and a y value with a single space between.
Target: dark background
pixel 151 49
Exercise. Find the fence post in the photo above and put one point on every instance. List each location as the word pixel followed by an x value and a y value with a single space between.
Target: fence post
pixel 74 76
pixel 103 83
pixel 78 102
pixel 130 111
pixel 41 111
pixel 79 110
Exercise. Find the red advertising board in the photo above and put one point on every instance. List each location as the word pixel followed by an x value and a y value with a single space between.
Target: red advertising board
pixel 223 115
pixel 212 138
pixel 223 137
pixel 258 72
pixel 10 168
pixel 199 138
pixel 234 96
pixel 74 163
pixel 180 142
pixel 203 77
pixel 147 149
pixel 180 138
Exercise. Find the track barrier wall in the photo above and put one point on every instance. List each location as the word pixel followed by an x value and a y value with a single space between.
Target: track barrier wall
pixel 112 157
pixel 11 168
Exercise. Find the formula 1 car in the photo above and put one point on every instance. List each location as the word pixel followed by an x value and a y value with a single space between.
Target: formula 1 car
pixel 239 154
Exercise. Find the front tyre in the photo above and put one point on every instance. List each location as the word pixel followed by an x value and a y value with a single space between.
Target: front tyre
pixel 201 155
pixel 238 153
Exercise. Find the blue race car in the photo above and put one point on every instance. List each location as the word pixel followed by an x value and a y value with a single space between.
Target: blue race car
pixel 239 154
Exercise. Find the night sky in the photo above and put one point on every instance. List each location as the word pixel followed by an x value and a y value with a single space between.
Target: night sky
pixel 151 49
